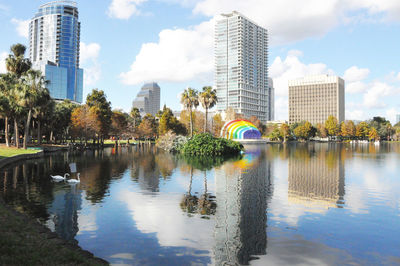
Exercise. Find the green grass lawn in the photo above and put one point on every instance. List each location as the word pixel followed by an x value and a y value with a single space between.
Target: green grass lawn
pixel 9 152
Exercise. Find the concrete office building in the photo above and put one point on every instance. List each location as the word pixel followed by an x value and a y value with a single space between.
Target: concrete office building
pixel 397 119
pixel 241 66
pixel 148 99
pixel 315 98
pixel 54 38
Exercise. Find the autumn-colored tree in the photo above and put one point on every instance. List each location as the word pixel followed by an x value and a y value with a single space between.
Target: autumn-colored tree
pixel 218 123
pixel 260 126
pixel 321 131
pixel 97 101
pixel 199 121
pixel 168 122
pixel 304 131
pixel 148 127
pixel 284 131
pixel 373 134
pixel 84 122
pixel 348 129
pixel 362 130
pixel 119 124
pixel 331 125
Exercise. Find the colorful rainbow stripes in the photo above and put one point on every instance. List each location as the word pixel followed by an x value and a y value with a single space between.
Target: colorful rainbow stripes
pixel 240 129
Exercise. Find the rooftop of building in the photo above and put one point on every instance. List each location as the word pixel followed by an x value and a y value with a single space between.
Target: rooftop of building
pixel 59 3
pixel 150 85
pixel 315 79
pixel 237 13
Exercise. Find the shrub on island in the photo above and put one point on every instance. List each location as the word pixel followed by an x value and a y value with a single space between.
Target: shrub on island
pixel 206 144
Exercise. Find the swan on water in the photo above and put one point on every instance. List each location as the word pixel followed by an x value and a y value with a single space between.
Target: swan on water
pixel 74 180
pixel 58 177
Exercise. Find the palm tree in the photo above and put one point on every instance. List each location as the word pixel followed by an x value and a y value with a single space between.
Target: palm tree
pixel 16 63
pixel 208 99
pixel 7 84
pixel 189 99
pixel 32 94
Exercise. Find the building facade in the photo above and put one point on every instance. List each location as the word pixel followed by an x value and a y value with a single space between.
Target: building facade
pixel 241 66
pixel 270 100
pixel 315 98
pixel 54 38
pixel 397 118
pixel 148 99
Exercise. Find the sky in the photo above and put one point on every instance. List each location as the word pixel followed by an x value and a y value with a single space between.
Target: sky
pixel 126 43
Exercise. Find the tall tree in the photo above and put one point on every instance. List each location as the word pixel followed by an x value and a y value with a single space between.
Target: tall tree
pixel 362 130
pixel 7 85
pixel 17 65
pixel 284 131
pixel 148 127
pixel 189 99
pixel 118 124
pixel 98 99
pixel 208 99
pixel 168 122
pixel 373 134
pixel 15 62
pixel 33 93
pixel 218 123
pixel 331 125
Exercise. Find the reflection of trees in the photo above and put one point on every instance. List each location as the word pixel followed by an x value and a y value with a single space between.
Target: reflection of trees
pixel 189 202
pixel 166 163
pixel 206 204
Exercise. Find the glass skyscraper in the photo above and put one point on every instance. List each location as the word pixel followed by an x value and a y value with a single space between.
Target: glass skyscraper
pixel 241 66
pixel 54 35
pixel 148 99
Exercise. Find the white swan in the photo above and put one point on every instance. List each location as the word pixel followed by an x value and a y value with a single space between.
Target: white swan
pixel 58 177
pixel 74 180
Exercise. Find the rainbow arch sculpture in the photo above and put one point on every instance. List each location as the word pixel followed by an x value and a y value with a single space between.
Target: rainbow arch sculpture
pixel 240 129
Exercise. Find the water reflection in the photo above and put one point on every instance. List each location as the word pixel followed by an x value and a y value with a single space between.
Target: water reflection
pixel 141 206
pixel 241 195
pixel 316 176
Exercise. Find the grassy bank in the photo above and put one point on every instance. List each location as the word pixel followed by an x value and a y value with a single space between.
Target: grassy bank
pixel 26 242
pixel 6 152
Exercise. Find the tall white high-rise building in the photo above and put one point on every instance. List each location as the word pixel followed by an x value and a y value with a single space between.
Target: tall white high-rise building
pixel 148 99
pixel 271 100
pixel 241 66
pixel 54 38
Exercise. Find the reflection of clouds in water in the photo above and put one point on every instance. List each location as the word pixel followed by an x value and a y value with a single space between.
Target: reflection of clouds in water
pixel 87 216
pixel 299 251
pixel 369 181
pixel 280 208
pixel 162 215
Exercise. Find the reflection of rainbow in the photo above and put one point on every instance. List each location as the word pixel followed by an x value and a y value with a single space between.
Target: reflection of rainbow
pixel 240 129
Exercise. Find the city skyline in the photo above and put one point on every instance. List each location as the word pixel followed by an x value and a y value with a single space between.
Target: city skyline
pixel 309 38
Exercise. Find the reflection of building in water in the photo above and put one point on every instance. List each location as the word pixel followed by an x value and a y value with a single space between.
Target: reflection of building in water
pixel 241 195
pixel 63 212
pixel 145 170
pixel 315 182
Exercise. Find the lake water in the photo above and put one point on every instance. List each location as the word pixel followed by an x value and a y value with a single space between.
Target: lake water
pixel 305 204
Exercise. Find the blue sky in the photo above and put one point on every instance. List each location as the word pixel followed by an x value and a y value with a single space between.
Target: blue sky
pixel 128 42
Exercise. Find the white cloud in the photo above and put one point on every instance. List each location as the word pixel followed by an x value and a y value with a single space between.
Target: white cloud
pixel 89 51
pixel 180 55
pixel 356 87
pixel 291 68
pixel 391 114
pixel 354 74
pixel 89 54
pixel 307 18
pixel 92 74
pixel 3 57
pixel 124 9
pixel 373 97
pixel 354 114
pixel 22 27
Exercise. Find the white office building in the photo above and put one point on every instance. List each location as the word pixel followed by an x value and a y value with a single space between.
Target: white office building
pixel 241 66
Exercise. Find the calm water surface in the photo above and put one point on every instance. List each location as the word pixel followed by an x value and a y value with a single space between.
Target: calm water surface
pixel 315 204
